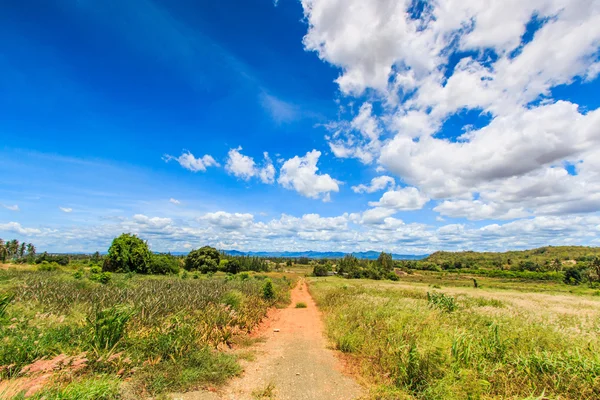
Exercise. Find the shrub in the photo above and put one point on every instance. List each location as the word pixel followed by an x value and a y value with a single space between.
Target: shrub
pixel 46 266
pixel 442 302
pixel 205 259
pixel 128 253
pixel 163 264
pixel 268 290
pixel 573 276
pixel 102 277
pixel 233 299
pixel 78 274
pixel 108 326
pixel 320 270
pixel 301 304
pixel 95 270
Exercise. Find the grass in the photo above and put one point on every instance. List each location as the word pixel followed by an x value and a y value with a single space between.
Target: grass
pixel 458 342
pixel 160 334
pixel 268 392
pixel 301 304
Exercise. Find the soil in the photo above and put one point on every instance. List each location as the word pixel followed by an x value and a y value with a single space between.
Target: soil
pixel 292 363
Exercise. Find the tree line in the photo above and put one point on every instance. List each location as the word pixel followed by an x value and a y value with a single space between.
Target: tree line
pixel 13 250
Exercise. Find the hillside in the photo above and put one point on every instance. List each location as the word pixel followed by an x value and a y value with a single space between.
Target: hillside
pixel 365 255
pixel 541 256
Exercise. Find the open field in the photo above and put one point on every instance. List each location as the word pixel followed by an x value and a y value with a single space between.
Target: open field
pixel 507 339
pixel 66 336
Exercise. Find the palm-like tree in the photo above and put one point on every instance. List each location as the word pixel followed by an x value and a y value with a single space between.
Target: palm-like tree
pixel 2 250
pixel 22 249
pixel 30 250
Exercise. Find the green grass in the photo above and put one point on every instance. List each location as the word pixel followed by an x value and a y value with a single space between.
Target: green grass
pixel 301 304
pixel 459 342
pixel 161 334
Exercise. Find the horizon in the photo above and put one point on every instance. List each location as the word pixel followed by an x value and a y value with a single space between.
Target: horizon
pixel 412 126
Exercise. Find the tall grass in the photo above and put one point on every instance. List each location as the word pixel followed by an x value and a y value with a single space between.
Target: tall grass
pixel 434 346
pixel 161 333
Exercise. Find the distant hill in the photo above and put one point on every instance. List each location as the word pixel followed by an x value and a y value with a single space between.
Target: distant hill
pixel 368 255
pixel 540 256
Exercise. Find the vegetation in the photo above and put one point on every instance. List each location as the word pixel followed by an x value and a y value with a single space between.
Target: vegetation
pixel 128 253
pixel 460 342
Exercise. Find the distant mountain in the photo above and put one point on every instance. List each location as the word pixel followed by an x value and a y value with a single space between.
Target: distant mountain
pixel 368 255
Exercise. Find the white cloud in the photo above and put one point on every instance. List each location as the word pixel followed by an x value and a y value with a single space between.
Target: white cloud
pixel 66 209
pixel 405 199
pixel 174 201
pixel 239 165
pixel 377 184
pixel 152 222
pixel 509 168
pixel 244 167
pixel 300 174
pixel 11 208
pixel 16 227
pixel 189 162
pixel 227 220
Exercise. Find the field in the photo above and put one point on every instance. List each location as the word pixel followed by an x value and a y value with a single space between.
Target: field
pixel 435 336
pixel 65 335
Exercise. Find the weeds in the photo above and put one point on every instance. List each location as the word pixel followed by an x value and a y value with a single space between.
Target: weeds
pixel 268 392
pixel 301 304
pixel 5 300
pixel 108 326
pixel 442 302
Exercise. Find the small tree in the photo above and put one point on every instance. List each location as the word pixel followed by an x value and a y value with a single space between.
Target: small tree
pixel 268 290
pixel 385 262
pixel 573 277
pixel 205 259
pixel 128 253
pixel 163 264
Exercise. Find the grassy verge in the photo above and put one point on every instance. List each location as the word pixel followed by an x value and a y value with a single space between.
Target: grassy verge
pixel 416 342
pixel 157 334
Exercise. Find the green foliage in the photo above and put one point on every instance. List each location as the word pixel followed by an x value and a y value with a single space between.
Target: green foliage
pixel 442 301
pixel 268 291
pixel 102 277
pixel 60 259
pixel 573 276
pixel 321 270
pixel 301 304
pixel 78 274
pixel 47 267
pixel 233 299
pixel 164 264
pixel 108 326
pixel 102 388
pixel 5 300
pixel 128 253
pixel 205 259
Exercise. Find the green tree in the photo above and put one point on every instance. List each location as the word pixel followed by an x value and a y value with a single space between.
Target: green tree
pixel 349 266
pixel 573 277
pixel 164 264
pixel 205 259
pixel 321 270
pixel 128 253
pixel 3 252
pixel 385 262
pixel 30 252
pixel 22 250
pixel 232 266
pixel 268 290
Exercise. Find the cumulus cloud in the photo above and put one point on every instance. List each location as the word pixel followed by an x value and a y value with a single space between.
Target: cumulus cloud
pixel 421 67
pixel 189 162
pixel 377 184
pixel 15 227
pixel 244 167
pixel 405 199
pixel 300 174
pixel 66 209
pixel 11 208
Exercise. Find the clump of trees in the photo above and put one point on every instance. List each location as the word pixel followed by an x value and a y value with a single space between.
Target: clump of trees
pixel 13 250
pixel 129 253
pixel 205 259
pixel 382 268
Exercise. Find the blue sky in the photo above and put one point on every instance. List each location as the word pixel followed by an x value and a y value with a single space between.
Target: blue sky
pixel 300 125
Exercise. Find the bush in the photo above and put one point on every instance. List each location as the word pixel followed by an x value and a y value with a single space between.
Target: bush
pixel 205 259
pixel 573 277
pixel 108 326
pixel 233 299
pixel 320 270
pixel 128 253
pixel 442 301
pixel 163 264
pixel 301 304
pixel 78 274
pixel 268 290
pixel 46 266
pixel 102 277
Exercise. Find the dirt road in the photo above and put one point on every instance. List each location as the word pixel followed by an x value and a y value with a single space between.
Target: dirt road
pixel 291 364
